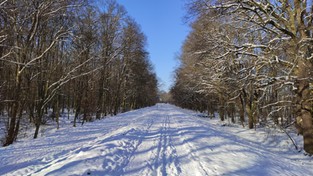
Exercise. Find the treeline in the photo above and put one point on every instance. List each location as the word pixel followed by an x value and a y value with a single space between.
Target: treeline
pixel 250 60
pixel 70 54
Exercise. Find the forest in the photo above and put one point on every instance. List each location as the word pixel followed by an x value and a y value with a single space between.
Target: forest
pixel 79 94
pixel 250 58
pixel 70 56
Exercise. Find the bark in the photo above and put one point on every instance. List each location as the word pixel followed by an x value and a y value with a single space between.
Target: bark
pixel 76 115
pixel 31 112
pixel 13 124
pixel 38 120
pixel 100 99
pixel 231 114
pixel 242 111
pixel 250 113
pixel 307 131
pixel 10 137
pixel 222 113
pixel 304 118
pixel 36 130
pixel 57 113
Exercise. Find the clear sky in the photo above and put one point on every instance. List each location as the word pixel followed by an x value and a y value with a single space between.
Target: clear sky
pixel 162 22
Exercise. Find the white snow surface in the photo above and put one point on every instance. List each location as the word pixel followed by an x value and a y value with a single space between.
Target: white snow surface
pixel 158 140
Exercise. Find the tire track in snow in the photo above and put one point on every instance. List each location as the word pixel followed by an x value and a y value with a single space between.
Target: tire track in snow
pixel 64 154
pixel 158 141
pixel 136 136
pixel 166 155
pixel 192 152
pixel 164 159
pixel 173 156
pixel 115 150
pixel 140 136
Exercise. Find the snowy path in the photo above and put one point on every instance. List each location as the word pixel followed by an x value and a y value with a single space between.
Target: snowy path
pixel 160 140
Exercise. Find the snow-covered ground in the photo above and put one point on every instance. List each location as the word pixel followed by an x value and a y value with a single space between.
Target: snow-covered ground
pixel 159 140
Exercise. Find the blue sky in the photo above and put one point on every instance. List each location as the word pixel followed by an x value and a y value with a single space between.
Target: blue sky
pixel 162 22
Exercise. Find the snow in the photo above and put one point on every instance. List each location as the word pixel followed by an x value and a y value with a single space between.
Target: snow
pixel 159 140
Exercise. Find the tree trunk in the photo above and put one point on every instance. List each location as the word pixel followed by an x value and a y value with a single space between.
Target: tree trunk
pixel 231 113
pixel 304 118
pixel 221 108
pixel 249 111
pixel 76 115
pixel 241 108
pixel 63 105
pixel 68 108
pixel 38 120
pixel 307 132
pixel 17 128
pixel 57 112
pixel 100 99
pixel 36 130
pixel 78 107
pixel 116 105
pixel 31 112
pixel 9 139
pixel 12 125
pixel 222 113
pixel 14 110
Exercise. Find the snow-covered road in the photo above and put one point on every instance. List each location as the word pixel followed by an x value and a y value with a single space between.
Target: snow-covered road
pixel 159 140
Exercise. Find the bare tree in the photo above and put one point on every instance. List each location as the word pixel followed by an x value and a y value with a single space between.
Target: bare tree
pixel 264 50
pixel 47 44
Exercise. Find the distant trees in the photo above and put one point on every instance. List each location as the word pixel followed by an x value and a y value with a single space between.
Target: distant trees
pixel 253 58
pixel 58 54
pixel 165 97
